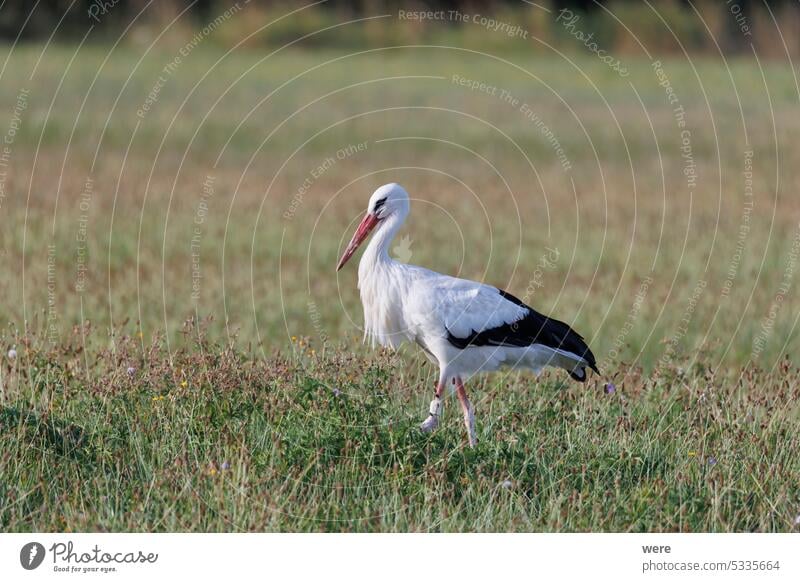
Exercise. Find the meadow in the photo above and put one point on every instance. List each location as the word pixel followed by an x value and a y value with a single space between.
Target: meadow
pixel 181 355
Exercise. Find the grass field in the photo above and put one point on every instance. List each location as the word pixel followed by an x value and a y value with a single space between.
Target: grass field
pixel 187 358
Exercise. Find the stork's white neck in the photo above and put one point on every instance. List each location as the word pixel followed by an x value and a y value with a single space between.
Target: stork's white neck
pixel 382 285
pixel 377 250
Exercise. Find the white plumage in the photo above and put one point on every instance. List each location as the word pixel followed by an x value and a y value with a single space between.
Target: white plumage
pixel 465 327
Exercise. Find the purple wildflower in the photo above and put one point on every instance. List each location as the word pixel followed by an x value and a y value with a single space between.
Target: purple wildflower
pixel 226 465
pixel 610 388
pixel 712 461
pixel 131 370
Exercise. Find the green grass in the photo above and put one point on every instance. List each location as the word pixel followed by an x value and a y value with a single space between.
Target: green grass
pixel 224 441
pixel 629 216
pixel 242 427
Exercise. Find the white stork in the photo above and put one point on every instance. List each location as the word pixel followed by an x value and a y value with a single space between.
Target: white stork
pixel 464 326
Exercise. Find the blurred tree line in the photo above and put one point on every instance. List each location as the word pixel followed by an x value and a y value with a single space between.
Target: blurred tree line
pixel 734 24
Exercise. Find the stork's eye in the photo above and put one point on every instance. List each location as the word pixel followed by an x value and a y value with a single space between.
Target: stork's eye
pixel 378 205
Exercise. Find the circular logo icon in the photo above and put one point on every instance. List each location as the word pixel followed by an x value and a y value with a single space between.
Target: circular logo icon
pixel 31 555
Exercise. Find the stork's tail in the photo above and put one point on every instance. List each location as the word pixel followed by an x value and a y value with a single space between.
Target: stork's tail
pixel 579 372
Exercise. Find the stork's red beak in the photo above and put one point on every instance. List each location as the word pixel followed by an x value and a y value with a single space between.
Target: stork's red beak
pixel 362 232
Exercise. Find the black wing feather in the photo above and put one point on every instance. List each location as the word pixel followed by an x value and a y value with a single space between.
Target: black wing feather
pixel 534 328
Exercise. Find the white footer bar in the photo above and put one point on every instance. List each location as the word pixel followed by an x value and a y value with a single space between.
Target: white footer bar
pixel 354 557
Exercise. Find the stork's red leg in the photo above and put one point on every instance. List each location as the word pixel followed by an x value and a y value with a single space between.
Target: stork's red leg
pixel 469 413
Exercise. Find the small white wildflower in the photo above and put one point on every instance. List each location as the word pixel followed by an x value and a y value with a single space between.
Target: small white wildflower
pixel 131 370
pixel 12 354
pixel 506 484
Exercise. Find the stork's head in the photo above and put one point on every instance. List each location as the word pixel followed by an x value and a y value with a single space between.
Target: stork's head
pixel 388 201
